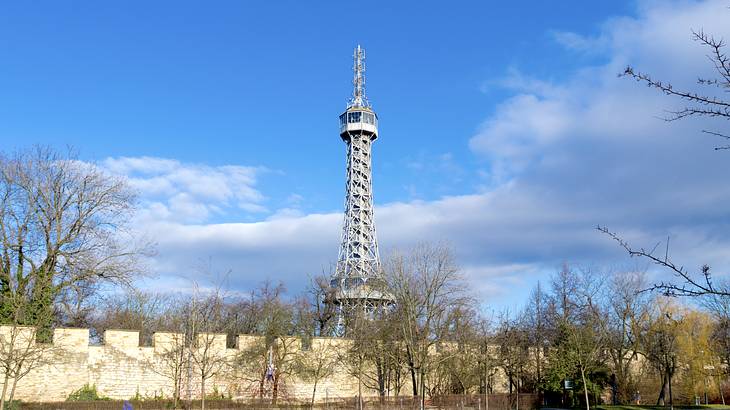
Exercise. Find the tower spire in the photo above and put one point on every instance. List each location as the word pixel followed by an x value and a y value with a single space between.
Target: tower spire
pixel 358 277
pixel 358 80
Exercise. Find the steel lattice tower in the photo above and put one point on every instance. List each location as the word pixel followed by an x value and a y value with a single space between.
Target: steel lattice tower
pixel 358 277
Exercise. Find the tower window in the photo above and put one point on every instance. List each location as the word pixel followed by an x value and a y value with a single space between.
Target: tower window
pixel 353 117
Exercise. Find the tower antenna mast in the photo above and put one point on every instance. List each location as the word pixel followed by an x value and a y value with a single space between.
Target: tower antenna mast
pixel 358 80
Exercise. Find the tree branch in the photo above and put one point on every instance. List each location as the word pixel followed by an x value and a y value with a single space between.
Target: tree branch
pixel 691 286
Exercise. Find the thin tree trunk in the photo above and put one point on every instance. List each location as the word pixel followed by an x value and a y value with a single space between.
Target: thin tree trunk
pixel 414 382
pixel 175 392
pixel 660 399
pixel 12 390
pixel 585 387
pixel 261 385
pixel 359 390
pixel 671 398
pixel 380 369
pixel 314 391
pixel 275 388
pixel 719 388
pixel 411 368
pixel 189 381
pixel 202 393
pixel 5 389
pixel 423 388
pixel 539 375
pixel 486 396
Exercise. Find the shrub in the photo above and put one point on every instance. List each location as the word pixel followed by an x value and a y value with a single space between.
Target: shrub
pixel 13 405
pixel 86 393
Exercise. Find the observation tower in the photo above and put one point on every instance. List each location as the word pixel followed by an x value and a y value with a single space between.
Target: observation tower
pixel 358 276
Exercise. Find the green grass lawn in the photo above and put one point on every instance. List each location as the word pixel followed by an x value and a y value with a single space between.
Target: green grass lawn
pixel 678 407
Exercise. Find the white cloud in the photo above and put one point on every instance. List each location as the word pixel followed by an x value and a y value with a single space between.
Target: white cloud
pixel 579 43
pixel 144 165
pixel 190 193
pixel 186 208
pixel 294 199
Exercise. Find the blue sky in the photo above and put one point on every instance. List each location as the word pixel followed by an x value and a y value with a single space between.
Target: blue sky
pixel 504 130
pixel 263 83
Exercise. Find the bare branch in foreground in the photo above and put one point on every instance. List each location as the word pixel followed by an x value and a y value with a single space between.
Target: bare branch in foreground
pixel 691 285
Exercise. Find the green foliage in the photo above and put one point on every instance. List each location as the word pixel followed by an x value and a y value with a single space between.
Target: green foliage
pixel 156 396
pixel 13 405
pixel 217 395
pixel 561 364
pixel 86 393
pixel 596 381
pixel 564 363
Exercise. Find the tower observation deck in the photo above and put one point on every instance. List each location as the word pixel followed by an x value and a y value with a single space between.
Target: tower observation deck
pixel 358 276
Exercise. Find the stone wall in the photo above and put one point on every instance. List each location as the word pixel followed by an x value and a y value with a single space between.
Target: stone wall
pixel 122 369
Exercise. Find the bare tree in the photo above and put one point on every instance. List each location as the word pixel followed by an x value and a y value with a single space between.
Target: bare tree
pixel 535 321
pixel 19 351
pixel 460 358
pixel 318 363
pixel 271 357
pixel 207 337
pixel 487 356
pixel 355 356
pixel 699 105
pixel 427 286
pixel 19 354
pixel 75 306
pixel 513 353
pixel 627 308
pixel 172 361
pixel 588 335
pixel 321 301
pixel 271 361
pixel 374 352
pixel 62 223
pixel 135 309
pixel 172 344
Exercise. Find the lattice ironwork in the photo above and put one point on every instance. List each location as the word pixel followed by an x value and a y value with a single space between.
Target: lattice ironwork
pixel 358 275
